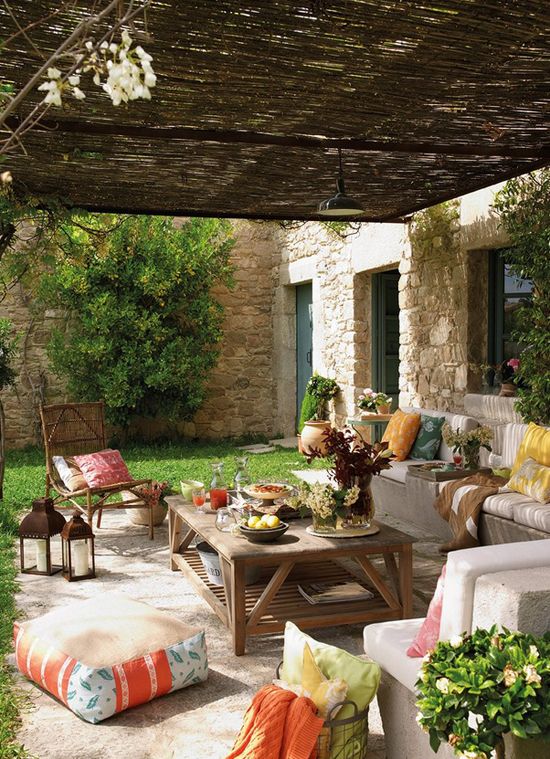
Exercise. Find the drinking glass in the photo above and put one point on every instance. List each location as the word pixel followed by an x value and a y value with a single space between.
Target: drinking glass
pixel 457 458
pixel 199 497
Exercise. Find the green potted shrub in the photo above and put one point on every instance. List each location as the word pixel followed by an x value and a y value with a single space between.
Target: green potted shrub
pixel 475 689
pixel 319 392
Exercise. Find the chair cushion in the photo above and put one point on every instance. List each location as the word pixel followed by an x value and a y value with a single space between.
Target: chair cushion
pixel 109 653
pixel 401 432
pixel 71 475
pixel 533 514
pixel 466 565
pixel 503 503
pixel 428 438
pixel 428 635
pixel 535 445
pixel 103 468
pixel 533 480
pixel 398 470
pixel 387 642
pixel 512 438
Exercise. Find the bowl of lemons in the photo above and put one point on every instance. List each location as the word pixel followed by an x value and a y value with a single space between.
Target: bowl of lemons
pixel 263 529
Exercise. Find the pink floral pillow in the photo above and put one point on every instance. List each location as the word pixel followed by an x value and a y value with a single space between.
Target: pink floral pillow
pixel 103 468
pixel 428 635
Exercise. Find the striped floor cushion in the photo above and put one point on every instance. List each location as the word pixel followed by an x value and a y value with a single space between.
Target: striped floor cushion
pixel 109 653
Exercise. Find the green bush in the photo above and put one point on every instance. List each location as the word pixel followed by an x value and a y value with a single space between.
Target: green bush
pixel 143 325
pixel 524 209
pixel 319 391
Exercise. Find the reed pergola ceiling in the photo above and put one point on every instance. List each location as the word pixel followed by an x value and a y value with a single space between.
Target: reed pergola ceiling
pixel 427 100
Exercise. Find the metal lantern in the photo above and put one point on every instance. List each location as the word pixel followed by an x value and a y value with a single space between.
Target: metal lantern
pixel 77 544
pixel 38 527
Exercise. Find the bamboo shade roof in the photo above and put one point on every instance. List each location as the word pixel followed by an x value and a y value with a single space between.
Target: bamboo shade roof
pixel 429 100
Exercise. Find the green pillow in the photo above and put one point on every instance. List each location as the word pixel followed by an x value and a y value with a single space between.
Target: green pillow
pixel 361 675
pixel 428 439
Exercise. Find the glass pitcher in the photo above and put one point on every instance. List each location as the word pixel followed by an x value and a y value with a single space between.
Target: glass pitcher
pixel 218 487
pixel 242 475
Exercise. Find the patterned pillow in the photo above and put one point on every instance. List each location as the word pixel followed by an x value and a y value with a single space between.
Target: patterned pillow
pixel 533 480
pixel 109 653
pixel 428 635
pixel 401 433
pixel 428 439
pixel 535 445
pixel 103 468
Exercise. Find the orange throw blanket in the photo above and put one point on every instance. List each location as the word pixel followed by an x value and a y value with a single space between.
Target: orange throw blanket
pixel 278 725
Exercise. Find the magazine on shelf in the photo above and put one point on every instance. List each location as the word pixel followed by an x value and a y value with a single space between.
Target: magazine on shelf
pixel 333 592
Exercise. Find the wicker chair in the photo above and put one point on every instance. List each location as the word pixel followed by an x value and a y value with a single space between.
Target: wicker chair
pixel 70 429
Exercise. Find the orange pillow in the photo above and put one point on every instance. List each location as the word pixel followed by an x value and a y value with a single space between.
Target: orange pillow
pixel 401 433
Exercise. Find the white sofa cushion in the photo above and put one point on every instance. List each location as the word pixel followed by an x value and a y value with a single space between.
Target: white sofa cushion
pixel 504 503
pixel 465 566
pixel 513 435
pixel 457 422
pixel 532 514
pixel 387 642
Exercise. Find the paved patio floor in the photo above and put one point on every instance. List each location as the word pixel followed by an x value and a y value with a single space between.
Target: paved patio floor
pixel 200 722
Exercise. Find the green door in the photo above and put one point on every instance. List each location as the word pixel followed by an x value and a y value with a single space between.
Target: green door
pixel 304 342
pixel 385 333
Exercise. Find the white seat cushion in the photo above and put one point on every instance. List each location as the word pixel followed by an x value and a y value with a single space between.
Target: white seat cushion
pixel 504 503
pixel 465 566
pixel 532 514
pixel 398 470
pixel 513 435
pixel 387 643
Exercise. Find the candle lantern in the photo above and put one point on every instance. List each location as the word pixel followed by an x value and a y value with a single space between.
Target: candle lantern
pixel 77 543
pixel 35 532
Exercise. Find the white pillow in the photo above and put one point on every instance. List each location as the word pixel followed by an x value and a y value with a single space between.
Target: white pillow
pixel 63 470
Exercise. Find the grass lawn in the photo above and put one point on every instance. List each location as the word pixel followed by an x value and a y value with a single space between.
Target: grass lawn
pixel 25 478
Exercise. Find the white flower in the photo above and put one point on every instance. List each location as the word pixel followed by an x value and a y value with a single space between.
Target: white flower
pixel 104 45
pixel 533 650
pixel 74 80
pixel 145 57
pixel 531 674
pixel 5 178
pixel 442 684
pixel 90 44
pixel 456 641
pixel 150 79
pixel 351 496
pixel 53 73
pixel 78 94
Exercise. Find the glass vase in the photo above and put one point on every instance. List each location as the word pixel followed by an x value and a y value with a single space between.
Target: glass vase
pixel 471 458
pixel 361 513
pixel 325 525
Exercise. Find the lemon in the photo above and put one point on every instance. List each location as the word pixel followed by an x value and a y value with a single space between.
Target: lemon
pixel 273 521
pixel 260 526
pixel 253 521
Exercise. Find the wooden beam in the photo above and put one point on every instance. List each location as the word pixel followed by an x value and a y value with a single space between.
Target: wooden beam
pixel 235 136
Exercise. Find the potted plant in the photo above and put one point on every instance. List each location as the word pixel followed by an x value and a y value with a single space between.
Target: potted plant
pixel 313 422
pixel 474 689
pixel 468 444
pixel 509 377
pixel 347 503
pixel 153 495
pixel 373 402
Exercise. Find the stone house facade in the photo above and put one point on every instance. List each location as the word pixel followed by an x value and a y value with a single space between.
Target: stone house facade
pixel 430 339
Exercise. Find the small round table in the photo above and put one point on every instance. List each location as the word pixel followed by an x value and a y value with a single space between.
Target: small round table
pixel 368 421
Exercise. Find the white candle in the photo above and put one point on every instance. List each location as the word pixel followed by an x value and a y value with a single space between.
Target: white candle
pixel 80 557
pixel 41 558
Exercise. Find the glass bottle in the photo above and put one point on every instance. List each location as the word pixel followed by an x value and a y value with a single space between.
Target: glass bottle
pixel 242 475
pixel 218 488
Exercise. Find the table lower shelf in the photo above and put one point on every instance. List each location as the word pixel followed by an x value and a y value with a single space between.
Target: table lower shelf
pixel 288 603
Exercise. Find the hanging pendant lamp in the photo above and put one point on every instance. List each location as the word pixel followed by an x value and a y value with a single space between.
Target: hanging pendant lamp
pixel 340 204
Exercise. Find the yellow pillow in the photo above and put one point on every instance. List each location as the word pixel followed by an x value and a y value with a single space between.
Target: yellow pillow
pixel 532 479
pixel 401 433
pixel 535 445
pixel 327 695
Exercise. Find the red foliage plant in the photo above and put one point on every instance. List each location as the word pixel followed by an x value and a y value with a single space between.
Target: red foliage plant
pixel 352 458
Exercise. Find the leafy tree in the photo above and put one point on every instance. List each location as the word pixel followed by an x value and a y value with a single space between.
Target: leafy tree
pixel 8 349
pixel 524 209
pixel 143 325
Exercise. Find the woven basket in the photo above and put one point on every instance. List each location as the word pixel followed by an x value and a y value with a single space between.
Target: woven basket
pixel 141 516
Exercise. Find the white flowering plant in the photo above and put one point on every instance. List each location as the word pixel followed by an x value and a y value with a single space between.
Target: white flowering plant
pixel 322 500
pixel 474 689
pixel 468 444
pixel 123 70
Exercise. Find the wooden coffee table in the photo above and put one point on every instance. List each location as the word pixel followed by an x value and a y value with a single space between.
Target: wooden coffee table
pixel 265 606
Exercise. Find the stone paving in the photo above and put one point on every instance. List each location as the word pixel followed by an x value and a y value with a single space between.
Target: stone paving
pixel 198 722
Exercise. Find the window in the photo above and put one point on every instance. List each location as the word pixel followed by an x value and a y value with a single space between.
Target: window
pixel 506 294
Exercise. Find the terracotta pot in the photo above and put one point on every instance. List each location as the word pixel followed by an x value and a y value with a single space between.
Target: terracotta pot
pixel 507 390
pixel 312 436
pixel 384 409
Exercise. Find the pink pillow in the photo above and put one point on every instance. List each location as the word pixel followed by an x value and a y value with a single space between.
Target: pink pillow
pixel 103 468
pixel 428 635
